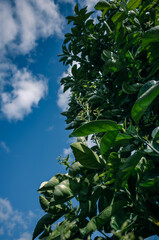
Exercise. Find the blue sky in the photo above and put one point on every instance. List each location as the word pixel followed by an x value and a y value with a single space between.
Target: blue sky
pixel 32 131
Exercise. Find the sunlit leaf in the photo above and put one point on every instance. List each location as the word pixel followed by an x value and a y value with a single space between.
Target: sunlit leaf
pixel 46 220
pixel 133 4
pixel 150 36
pixel 86 156
pixel 155 133
pixel 143 102
pixel 107 141
pixel 98 221
pixel 96 127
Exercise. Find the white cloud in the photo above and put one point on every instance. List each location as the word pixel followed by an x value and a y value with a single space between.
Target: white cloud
pixel 25 236
pixel 82 3
pixel 23 23
pixel 89 3
pixel 18 218
pixel 5 210
pixel 6 69
pixel 37 18
pixel 4 146
pixel 31 215
pixel 26 92
pixel 8 26
pixel 89 142
pixel 67 151
pixel 63 98
pixel 50 128
pixel 12 220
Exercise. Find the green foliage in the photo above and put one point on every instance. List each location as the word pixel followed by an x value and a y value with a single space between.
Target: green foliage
pixel 96 127
pixel 143 102
pixel 114 84
pixel 86 156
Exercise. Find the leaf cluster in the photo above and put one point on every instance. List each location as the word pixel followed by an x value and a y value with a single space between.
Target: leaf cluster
pixel 114 87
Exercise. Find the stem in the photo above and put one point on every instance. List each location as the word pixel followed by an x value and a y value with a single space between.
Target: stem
pixel 154 149
pixel 109 29
pixel 95 138
pixel 148 144
pixel 102 233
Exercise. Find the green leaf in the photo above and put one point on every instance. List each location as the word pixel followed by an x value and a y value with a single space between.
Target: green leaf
pixel 97 126
pixel 102 5
pixel 84 206
pixel 86 156
pixel 107 141
pixel 112 62
pixel 131 162
pixel 112 66
pixel 43 202
pixel 155 133
pixel 143 102
pixel 75 169
pixel 76 9
pixel 122 138
pixel 58 209
pixel 107 55
pixel 152 35
pixel 50 237
pixel 123 5
pixel 46 220
pixel 101 219
pixel 151 178
pixel 66 190
pixel 118 17
pixel 93 202
pixel 133 4
pixel 131 89
pixel 70 230
pixel 55 180
pixel 146 86
pixel 127 169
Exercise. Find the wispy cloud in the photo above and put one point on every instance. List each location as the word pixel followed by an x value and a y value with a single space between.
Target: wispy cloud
pixel 26 92
pixel 12 220
pixel 89 141
pixel 4 146
pixel 25 236
pixel 8 26
pixel 50 128
pixel 89 3
pixel 67 151
pixel 82 3
pixel 5 210
pixel 63 98
pixel 23 23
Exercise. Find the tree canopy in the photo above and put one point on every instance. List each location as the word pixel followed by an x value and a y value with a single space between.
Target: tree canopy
pixel 113 186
